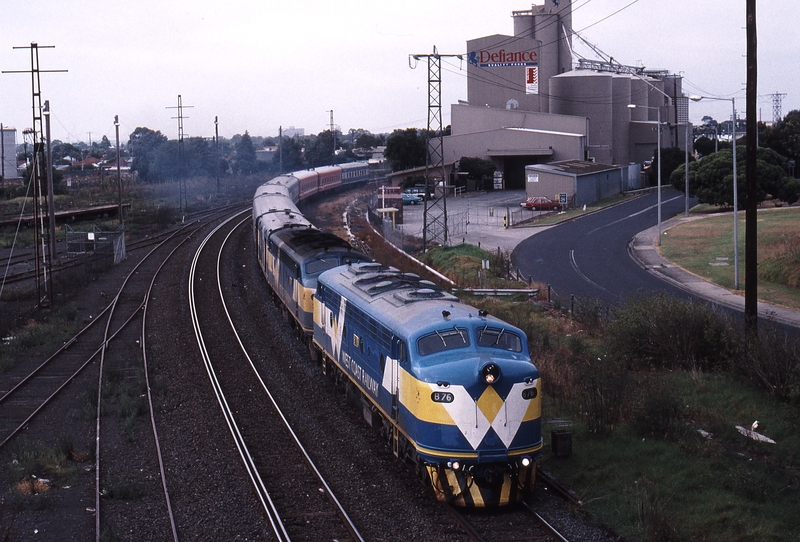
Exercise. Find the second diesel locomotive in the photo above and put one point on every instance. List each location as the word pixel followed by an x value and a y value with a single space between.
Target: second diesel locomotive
pixel 452 389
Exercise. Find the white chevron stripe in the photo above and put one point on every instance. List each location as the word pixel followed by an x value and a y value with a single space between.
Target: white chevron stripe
pixel 466 414
pixel 507 422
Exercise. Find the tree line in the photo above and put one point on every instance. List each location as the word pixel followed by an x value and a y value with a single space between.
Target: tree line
pixel 158 159
pixel 711 166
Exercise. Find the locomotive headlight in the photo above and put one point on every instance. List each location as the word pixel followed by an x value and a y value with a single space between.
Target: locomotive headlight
pixel 525 461
pixel 490 373
pixel 454 464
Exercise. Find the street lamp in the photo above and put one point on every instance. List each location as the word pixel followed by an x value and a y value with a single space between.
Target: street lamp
pixel 658 110
pixel 735 186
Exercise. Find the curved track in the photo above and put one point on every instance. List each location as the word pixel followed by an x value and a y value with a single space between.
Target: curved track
pixel 101 351
pixel 233 377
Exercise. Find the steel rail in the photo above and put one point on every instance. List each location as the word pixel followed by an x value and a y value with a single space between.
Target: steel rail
pixel 328 491
pixel 247 459
pixel 157 441
pixel 196 222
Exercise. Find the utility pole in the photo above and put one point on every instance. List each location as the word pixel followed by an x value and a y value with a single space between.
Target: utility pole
pixel 181 156
pixel 119 173
pixel 38 164
pixel 280 149
pixel 51 207
pixel 751 181
pixel 2 154
pixel 434 227
pixel 216 149
pixel 333 137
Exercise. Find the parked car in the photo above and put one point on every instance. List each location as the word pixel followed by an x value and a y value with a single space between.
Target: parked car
pixel 540 203
pixel 417 191
pixel 411 199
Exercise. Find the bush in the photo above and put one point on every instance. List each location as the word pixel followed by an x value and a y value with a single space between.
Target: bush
pixel 659 414
pixel 604 387
pixel 589 312
pixel 775 364
pixel 663 332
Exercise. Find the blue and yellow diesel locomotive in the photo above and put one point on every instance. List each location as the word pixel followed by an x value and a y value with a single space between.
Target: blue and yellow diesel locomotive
pixel 452 388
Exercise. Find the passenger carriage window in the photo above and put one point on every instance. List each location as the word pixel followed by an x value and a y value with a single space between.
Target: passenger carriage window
pixel 499 338
pixel 445 339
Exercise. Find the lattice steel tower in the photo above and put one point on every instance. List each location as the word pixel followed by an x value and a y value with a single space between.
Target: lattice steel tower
pixel 777 100
pixel 434 228
pixel 39 169
pixel 181 156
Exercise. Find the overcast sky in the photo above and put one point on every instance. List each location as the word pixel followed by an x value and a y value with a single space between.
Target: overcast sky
pixel 258 64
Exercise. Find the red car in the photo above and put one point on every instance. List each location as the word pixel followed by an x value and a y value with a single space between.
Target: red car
pixel 541 203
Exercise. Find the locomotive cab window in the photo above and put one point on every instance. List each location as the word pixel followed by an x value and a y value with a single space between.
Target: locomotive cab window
pixel 444 339
pixel 321 264
pixel 499 338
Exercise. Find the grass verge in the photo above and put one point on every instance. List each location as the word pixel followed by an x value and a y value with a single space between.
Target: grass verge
pixel 705 247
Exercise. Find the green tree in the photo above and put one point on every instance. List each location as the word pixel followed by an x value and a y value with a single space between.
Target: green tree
pixel 783 137
pixel 292 156
pixel 671 157
pixel 143 145
pixel 476 168
pixel 366 140
pixel 711 178
pixel 320 153
pixel 705 146
pixel 63 150
pixel 406 149
pixel 196 159
pixel 245 162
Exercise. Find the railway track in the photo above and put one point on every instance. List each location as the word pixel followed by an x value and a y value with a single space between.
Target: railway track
pixel 109 351
pixel 296 499
pixel 512 524
pixel 24 261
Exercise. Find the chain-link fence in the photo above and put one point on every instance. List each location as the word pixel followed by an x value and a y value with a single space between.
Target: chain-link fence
pixel 98 242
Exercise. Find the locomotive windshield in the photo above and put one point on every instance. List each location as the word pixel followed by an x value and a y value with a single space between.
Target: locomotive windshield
pixel 499 338
pixel 444 339
pixel 319 265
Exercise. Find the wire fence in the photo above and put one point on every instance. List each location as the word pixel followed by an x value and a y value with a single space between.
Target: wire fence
pixel 591 312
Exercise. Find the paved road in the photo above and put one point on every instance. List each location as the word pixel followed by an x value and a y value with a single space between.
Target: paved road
pixel 588 256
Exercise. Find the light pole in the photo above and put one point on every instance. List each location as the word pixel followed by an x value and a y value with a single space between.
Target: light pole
pixel 119 174
pixel 735 186
pixel 689 134
pixel 658 151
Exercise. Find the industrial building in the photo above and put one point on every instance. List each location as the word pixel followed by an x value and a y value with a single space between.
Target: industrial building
pixel 530 101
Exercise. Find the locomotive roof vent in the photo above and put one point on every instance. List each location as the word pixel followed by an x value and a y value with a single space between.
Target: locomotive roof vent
pixel 371 267
pixel 421 294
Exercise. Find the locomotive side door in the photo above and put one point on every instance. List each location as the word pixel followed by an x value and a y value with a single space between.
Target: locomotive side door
pixel 391 374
